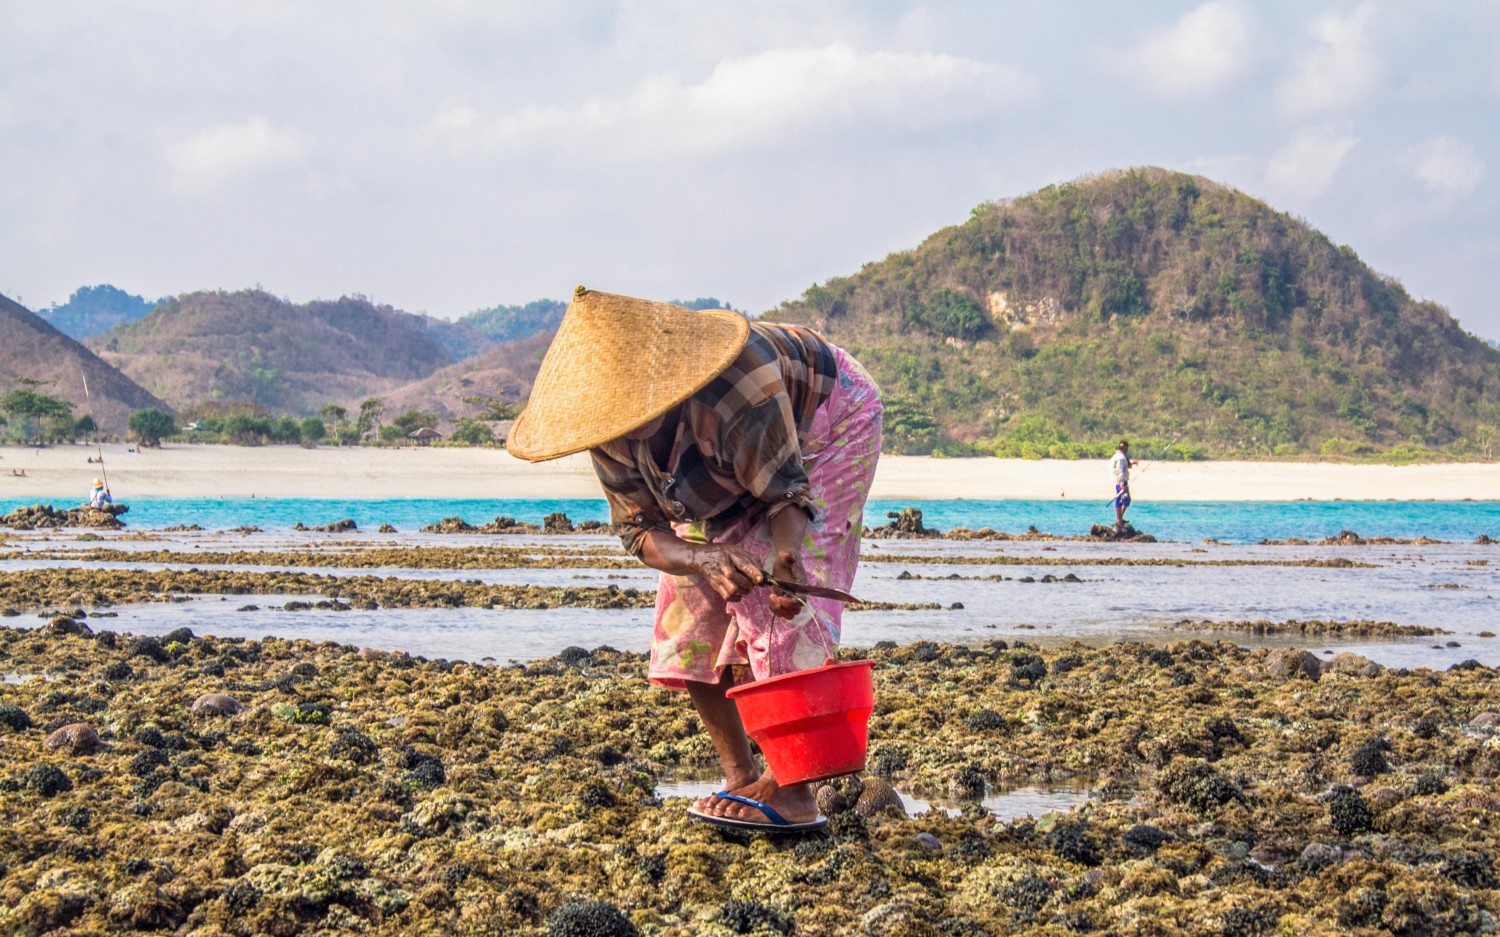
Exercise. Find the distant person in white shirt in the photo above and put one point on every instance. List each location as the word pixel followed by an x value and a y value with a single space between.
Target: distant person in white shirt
pixel 99 497
pixel 1120 464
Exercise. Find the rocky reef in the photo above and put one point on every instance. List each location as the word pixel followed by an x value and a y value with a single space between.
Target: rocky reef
pixel 554 523
pixel 206 786
pixel 45 516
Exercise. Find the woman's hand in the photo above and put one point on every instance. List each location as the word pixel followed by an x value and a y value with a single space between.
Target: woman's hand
pixel 788 566
pixel 727 569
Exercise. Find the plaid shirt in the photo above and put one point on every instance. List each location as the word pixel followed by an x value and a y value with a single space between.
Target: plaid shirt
pixel 734 445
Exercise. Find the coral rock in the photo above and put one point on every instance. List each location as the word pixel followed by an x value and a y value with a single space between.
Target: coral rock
pixel 879 799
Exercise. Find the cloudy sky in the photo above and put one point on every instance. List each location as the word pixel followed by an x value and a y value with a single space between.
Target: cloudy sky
pixel 455 154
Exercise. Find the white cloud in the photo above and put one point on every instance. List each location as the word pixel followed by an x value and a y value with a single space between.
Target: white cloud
pixel 1305 165
pixel 1447 166
pixel 748 102
pixel 220 154
pixel 1338 72
pixel 1196 56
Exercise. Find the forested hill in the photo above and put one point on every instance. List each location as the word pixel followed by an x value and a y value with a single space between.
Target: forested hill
pixel 249 345
pixel 1153 303
pixel 36 356
pixel 94 309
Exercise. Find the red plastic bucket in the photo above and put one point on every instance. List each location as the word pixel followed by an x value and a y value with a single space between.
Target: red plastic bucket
pixel 812 724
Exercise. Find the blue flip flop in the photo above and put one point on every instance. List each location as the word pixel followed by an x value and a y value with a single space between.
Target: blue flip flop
pixel 778 824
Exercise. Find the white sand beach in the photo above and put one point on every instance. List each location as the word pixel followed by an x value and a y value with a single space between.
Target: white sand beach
pixel 63 474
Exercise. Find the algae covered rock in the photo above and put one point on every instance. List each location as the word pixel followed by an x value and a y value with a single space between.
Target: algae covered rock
pixel 878 798
pixel 1286 663
pixel 589 919
pixel 1352 665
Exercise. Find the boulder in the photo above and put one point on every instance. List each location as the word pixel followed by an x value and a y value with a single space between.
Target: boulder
pixel 76 738
pixel 217 704
pixel 1287 663
pixel 1352 665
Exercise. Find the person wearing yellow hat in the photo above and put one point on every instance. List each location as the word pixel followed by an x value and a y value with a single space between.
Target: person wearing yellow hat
pixel 726 449
pixel 99 495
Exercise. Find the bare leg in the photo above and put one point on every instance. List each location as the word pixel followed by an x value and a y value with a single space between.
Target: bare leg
pixel 741 775
pixel 722 720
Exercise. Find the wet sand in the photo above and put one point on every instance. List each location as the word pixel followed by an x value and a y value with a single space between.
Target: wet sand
pixel 63 474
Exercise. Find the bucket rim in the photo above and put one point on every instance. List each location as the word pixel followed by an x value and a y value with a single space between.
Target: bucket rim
pixel 770 682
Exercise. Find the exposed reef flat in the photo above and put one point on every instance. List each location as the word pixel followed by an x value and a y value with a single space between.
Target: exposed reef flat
pixel 93 588
pixel 1362 628
pixel 552 557
pixel 210 786
pixel 343 557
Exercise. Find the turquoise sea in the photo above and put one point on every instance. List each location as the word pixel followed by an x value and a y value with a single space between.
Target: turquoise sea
pixel 1183 521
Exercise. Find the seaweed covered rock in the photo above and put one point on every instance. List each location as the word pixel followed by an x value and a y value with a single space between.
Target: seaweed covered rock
pixel 1196 784
pixel 589 919
pixel 1286 663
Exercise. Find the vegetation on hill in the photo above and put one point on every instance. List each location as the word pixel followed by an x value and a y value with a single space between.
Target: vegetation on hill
pixel 1149 303
pixel 489 387
pixel 251 346
pixel 512 323
pixel 35 357
pixel 94 309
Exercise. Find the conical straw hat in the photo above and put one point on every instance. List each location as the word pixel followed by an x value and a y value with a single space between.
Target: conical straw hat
pixel 616 364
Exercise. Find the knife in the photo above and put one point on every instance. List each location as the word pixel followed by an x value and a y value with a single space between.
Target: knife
pixel 804 588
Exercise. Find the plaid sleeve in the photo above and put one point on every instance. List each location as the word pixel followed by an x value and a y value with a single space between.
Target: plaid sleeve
pixel 632 509
pixel 762 446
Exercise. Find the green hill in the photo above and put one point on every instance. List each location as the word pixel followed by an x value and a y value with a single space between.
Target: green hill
pixel 1150 303
pixel 94 309
pixel 249 345
pixel 513 323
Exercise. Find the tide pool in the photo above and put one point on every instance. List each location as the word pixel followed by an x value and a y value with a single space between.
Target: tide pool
pixel 1190 521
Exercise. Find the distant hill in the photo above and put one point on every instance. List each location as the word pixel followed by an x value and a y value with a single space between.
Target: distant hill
pixel 1153 303
pixel 249 345
pixel 94 309
pixel 504 374
pixel 511 323
pixel 32 348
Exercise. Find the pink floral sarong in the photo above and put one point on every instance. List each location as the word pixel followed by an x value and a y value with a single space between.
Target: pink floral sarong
pixel 698 634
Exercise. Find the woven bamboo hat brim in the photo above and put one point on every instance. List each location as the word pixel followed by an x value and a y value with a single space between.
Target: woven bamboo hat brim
pixel 616 364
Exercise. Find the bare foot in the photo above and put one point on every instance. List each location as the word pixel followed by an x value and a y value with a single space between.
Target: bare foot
pixel 795 803
pixel 734 781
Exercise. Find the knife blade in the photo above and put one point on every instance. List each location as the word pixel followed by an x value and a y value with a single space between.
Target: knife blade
pixel 806 588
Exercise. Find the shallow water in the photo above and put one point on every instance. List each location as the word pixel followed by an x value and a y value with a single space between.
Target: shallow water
pixel 1190 521
pixel 1449 586
pixel 1008 804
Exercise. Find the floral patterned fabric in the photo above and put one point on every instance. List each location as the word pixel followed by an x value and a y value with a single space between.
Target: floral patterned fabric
pixel 698 634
